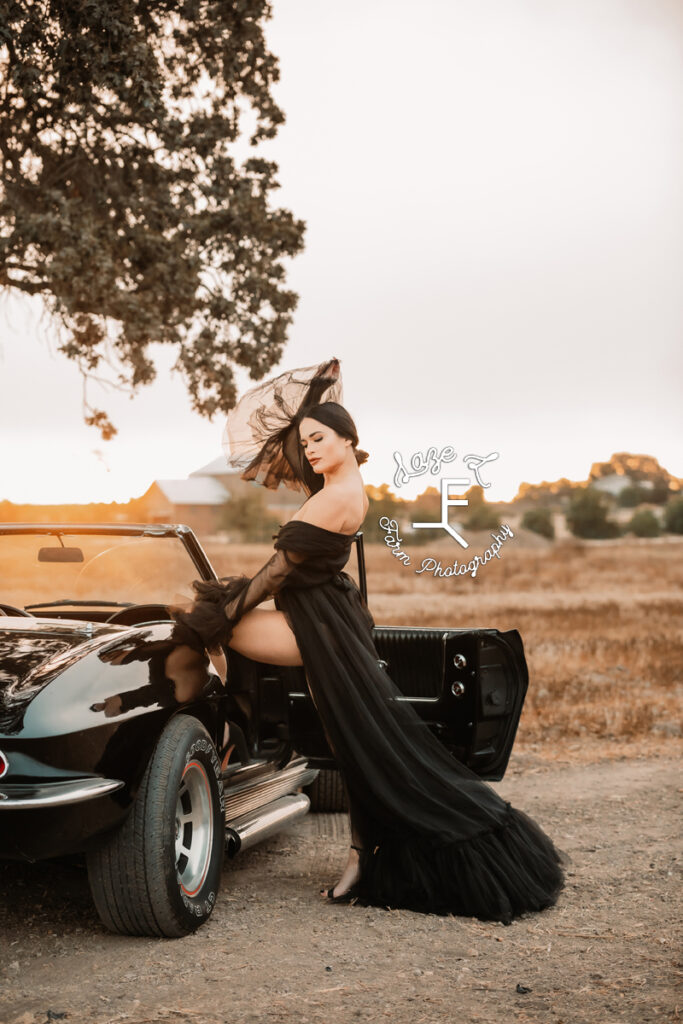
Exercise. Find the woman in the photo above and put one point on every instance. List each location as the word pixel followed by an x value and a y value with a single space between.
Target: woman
pixel 427 833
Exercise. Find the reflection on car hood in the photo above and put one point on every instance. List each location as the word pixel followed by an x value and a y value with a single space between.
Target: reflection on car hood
pixel 33 651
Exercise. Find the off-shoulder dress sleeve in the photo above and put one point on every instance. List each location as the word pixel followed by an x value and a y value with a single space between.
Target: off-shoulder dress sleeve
pixel 219 605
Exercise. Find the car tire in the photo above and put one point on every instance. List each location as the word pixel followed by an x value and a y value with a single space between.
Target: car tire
pixel 327 792
pixel 159 872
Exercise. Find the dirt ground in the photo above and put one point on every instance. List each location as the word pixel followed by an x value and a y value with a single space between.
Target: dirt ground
pixel 274 952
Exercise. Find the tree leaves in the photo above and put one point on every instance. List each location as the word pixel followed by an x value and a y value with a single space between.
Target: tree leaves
pixel 120 202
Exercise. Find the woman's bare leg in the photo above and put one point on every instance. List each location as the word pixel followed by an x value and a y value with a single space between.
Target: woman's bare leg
pixel 260 634
pixel 264 635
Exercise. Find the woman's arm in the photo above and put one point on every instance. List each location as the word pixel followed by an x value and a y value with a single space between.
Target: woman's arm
pixel 219 605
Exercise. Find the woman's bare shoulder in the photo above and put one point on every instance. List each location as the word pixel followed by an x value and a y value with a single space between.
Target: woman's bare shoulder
pixel 334 508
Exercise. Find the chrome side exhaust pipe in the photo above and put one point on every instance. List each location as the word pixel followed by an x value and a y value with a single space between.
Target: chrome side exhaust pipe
pixel 251 828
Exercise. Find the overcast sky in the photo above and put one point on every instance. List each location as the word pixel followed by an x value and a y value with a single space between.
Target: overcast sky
pixel 494 251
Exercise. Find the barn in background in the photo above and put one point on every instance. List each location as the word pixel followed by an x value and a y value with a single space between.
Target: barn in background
pixel 200 499
pixel 197 501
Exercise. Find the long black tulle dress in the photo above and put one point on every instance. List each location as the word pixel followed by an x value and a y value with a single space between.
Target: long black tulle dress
pixel 435 837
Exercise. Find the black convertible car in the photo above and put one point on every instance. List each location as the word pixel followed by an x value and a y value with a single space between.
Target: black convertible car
pixel 111 746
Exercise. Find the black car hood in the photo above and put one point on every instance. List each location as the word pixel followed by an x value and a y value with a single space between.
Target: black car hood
pixel 33 651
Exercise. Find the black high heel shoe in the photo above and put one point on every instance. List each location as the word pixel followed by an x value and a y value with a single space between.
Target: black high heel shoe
pixel 344 897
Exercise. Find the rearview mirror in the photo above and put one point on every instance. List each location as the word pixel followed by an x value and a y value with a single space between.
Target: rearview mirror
pixel 60 555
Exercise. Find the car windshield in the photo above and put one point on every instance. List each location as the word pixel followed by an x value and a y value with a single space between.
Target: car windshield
pixel 94 568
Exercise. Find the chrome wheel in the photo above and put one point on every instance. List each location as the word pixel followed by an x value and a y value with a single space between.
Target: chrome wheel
pixel 193 828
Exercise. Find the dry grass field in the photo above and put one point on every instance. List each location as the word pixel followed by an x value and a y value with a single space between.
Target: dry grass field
pixel 601 622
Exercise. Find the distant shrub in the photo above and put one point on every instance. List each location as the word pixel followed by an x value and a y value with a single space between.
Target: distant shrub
pixel 673 516
pixel 659 493
pixel 384 506
pixel 632 496
pixel 482 517
pixel 645 523
pixel 539 520
pixel 587 515
pixel 247 516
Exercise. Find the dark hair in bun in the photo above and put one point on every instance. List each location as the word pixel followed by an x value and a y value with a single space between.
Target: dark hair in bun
pixel 334 415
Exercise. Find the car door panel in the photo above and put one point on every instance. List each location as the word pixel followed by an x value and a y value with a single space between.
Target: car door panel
pixel 469 685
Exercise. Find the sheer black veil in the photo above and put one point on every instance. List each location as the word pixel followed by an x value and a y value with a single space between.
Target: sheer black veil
pixel 261 435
